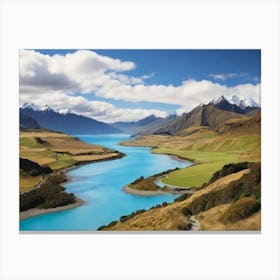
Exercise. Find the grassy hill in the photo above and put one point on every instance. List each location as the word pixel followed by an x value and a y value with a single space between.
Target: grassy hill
pixel 55 151
pixel 231 201
pixel 239 139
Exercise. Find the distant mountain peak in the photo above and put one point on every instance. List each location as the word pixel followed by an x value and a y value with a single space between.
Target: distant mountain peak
pixel 47 108
pixel 151 117
pixel 235 100
pixel 218 100
pixel 248 102
pixel 30 106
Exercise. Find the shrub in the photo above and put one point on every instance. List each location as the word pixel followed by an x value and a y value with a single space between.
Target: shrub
pixel 32 168
pixel 50 195
pixel 241 209
pixel 137 180
pixel 187 226
pixel 227 170
pixel 182 197
pixel 186 211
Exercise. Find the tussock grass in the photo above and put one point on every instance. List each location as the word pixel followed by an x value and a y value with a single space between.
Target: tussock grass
pixel 27 183
pixel 241 209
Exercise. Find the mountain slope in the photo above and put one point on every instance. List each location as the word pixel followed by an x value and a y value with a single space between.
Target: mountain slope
pixel 68 123
pixel 243 106
pixel 203 115
pixel 228 189
pixel 147 124
pixel 27 122
pixel 251 125
pixel 223 104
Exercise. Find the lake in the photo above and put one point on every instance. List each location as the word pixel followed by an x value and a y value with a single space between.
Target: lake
pixel 100 185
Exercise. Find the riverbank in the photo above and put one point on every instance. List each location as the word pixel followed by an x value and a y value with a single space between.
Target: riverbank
pixel 208 152
pixel 102 182
pixel 79 202
pixel 36 211
pixel 129 190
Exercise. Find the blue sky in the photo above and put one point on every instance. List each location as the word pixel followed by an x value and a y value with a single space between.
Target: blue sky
pixel 143 79
pixel 175 66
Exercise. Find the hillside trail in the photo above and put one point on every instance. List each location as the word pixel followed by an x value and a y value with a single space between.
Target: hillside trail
pixel 195 224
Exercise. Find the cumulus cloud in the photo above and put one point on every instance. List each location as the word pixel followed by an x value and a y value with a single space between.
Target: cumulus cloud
pixel 188 95
pixel 53 80
pixel 101 111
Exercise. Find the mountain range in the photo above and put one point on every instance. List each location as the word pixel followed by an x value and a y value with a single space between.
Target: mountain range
pixel 212 115
pixel 68 123
pixel 149 123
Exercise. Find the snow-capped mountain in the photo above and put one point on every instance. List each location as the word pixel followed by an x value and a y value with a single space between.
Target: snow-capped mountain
pixel 30 106
pixel 236 105
pixel 242 103
pixel 248 102
pixel 65 122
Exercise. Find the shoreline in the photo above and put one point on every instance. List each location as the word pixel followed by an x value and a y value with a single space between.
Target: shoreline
pixel 79 202
pixel 176 157
pixel 36 211
pixel 129 190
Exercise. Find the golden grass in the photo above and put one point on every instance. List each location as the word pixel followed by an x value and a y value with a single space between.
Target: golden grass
pixel 61 142
pixel 58 151
pixel 211 220
pixel 41 134
pixel 42 160
pixel 93 157
pixel 28 183
pixel 170 216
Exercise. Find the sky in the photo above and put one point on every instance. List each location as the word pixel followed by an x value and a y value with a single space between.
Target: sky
pixel 129 85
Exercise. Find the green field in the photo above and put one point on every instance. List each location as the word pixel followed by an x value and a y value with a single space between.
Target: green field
pixel 195 176
pixel 62 161
pixel 29 142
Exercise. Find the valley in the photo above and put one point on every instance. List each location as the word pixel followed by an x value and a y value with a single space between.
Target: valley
pixel 222 141
pixel 227 195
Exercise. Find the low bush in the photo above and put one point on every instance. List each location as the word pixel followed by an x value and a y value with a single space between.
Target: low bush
pixel 187 226
pixel 186 211
pixel 32 168
pixel 241 209
pixel 182 197
pixel 50 194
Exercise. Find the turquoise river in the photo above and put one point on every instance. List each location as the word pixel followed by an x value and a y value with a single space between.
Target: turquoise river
pixel 100 185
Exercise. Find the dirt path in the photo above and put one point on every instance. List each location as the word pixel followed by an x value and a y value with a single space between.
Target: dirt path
pixel 195 224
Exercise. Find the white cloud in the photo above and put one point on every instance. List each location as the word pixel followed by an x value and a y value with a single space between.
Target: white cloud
pixel 52 80
pixel 227 76
pixel 102 111
pixel 145 77
pixel 188 95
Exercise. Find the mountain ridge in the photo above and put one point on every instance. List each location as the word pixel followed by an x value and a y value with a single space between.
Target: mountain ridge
pixel 69 123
